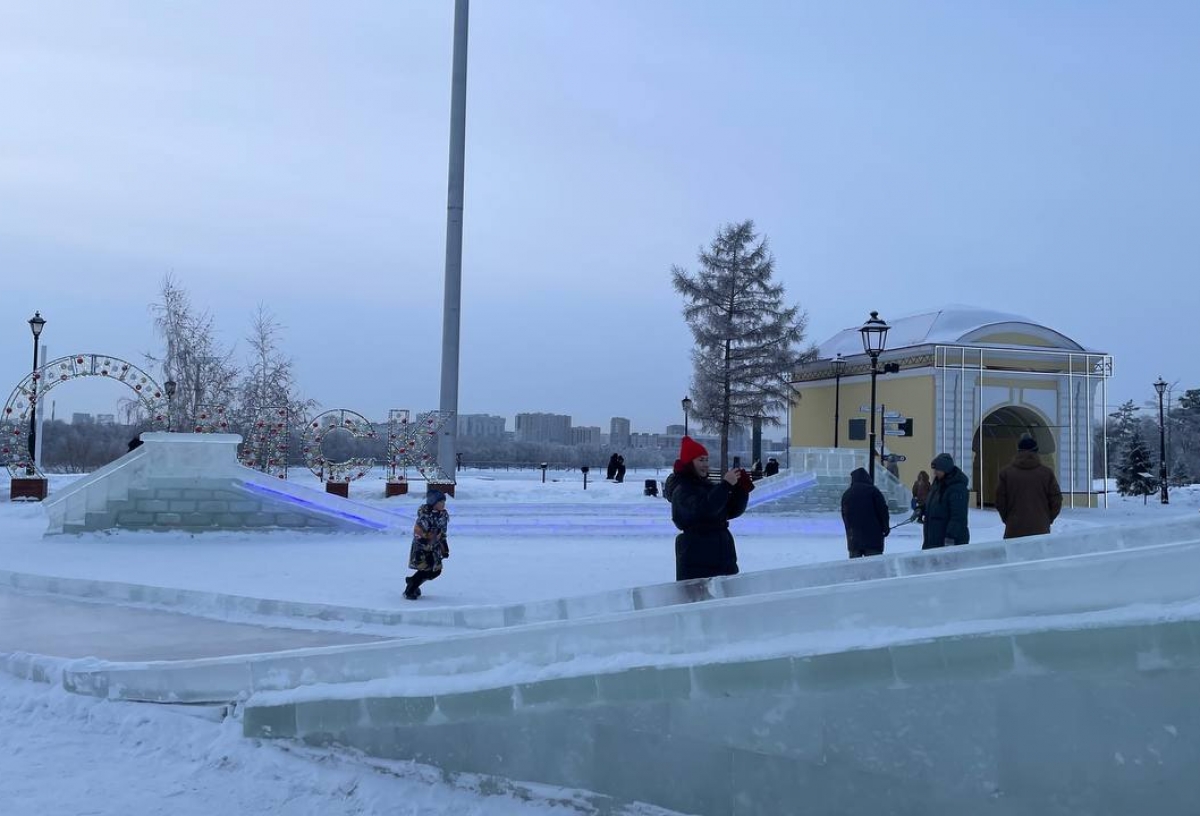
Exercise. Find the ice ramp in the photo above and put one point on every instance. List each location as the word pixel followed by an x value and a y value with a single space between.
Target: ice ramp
pixel 1064 686
pixel 852 598
pixel 194 483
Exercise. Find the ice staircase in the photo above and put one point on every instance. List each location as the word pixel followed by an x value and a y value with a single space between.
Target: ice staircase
pixel 194 482
pixel 817 481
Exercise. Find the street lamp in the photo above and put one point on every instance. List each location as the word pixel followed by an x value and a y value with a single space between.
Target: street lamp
pixel 874 337
pixel 170 385
pixel 686 402
pixel 839 366
pixel 36 324
pixel 1161 387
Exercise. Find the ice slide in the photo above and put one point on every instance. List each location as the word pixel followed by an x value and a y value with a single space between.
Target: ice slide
pixel 1057 686
pixel 194 482
pixel 935 685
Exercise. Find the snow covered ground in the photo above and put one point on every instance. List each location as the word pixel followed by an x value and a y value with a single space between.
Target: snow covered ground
pixel 66 755
pixel 368 570
pixel 63 754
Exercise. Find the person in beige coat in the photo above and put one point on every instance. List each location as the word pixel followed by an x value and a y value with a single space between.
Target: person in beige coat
pixel 1028 496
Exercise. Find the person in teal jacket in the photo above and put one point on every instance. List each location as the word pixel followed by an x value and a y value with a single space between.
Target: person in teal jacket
pixel 946 507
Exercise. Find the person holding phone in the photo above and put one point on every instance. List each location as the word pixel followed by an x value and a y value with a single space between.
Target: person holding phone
pixel 701 510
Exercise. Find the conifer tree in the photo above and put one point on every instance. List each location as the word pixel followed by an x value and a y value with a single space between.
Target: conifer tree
pixel 1136 477
pixel 746 338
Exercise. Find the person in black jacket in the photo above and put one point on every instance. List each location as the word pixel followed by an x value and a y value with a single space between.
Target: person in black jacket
pixel 946 507
pixel 772 467
pixel 702 510
pixel 865 514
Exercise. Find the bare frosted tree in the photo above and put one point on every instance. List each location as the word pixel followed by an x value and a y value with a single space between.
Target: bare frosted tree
pixel 191 355
pixel 269 379
pixel 746 337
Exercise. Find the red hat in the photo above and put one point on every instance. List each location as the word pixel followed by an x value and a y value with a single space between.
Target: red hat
pixel 690 450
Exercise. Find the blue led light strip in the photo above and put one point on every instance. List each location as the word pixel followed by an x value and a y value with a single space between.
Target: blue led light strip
pixel 314 506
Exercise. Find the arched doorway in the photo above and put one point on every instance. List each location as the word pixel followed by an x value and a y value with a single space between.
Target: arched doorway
pixel 995 444
pixel 14 440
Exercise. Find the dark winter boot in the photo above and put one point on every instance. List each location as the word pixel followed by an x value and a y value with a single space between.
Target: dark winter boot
pixel 412 590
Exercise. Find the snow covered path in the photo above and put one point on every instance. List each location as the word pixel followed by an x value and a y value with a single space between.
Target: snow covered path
pixel 66 755
pixel 61 627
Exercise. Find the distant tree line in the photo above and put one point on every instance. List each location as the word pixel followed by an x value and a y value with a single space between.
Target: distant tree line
pixel 209 373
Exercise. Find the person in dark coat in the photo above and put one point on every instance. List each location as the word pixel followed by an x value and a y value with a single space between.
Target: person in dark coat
pixel 756 472
pixel 620 472
pixel 611 471
pixel 1028 496
pixel 865 514
pixel 702 510
pixel 429 544
pixel 772 467
pixel 920 494
pixel 946 508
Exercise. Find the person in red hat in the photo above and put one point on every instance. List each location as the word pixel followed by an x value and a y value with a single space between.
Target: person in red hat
pixel 702 510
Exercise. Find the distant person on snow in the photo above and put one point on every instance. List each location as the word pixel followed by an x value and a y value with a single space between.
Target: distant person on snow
pixel 611 471
pixel 429 544
pixel 756 472
pixel 920 495
pixel 772 467
pixel 620 469
pixel 1028 496
pixel 701 511
pixel 946 507
pixel 865 514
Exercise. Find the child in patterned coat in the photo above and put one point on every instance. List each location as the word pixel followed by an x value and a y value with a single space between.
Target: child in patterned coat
pixel 429 545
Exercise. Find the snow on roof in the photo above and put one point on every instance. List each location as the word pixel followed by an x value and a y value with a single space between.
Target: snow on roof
pixel 950 325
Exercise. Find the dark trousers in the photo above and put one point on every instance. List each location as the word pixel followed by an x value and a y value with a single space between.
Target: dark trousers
pixel 421 576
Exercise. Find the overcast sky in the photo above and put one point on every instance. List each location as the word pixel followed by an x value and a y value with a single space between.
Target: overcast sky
pixel 1033 157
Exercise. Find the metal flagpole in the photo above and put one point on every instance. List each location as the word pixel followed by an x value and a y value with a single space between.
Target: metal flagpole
pixel 452 308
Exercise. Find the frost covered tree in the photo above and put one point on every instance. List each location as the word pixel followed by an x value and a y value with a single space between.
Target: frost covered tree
pixel 191 355
pixel 269 379
pixel 1120 431
pixel 1136 476
pixel 1181 474
pixel 746 338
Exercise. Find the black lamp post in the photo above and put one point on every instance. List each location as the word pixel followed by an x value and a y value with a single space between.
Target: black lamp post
pixel 36 324
pixel 874 337
pixel 839 366
pixel 1161 387
pixel 687 409
pixel 170 385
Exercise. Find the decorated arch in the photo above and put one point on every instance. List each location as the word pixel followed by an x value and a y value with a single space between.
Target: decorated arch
pixel 14 447
pixel 338 419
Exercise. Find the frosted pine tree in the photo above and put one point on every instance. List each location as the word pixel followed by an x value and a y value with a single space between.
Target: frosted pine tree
pixel 1136 476
pixel 746 338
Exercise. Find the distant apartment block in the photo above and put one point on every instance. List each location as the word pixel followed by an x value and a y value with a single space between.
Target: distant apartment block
pixel 675 430
pixel 481 426
pixel 553 428
pixel 106 419
pixel 81 419
pixel 618 432
pixel 586 435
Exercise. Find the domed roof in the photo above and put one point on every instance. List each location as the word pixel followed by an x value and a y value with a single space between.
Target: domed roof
pixel 955 326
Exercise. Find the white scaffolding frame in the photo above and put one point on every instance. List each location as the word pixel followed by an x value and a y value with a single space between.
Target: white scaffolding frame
pixel 1082 369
